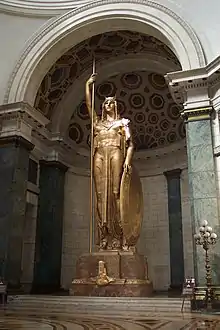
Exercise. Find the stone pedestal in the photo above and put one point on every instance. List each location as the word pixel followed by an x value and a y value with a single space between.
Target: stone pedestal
pixel 128 270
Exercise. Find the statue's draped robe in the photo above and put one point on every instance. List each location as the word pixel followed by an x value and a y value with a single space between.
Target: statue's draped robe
pixel 109 155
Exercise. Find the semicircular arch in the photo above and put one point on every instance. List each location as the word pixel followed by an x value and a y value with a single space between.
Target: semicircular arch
pixel 56 37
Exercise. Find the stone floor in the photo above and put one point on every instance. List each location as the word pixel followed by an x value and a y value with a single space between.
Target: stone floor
pixel 152 321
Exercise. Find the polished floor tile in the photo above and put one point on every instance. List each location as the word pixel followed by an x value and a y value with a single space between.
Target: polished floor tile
pixel 23 321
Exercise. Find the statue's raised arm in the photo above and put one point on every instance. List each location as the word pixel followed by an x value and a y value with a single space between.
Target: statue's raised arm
pixel 89 83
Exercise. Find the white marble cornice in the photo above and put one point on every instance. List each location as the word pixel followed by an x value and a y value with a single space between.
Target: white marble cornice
pixel 7 111
pixel 22 120
pixel 206 78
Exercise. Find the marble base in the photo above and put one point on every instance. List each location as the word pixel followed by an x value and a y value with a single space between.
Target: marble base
pixel 128 269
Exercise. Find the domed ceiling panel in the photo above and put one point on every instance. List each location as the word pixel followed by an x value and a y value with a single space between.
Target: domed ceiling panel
pixel 104 47
pixel 144 98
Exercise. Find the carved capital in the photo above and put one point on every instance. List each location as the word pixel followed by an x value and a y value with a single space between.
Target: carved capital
pixel 24 110
pixel 20 119
pixel 173 173
pixel 196 114
pixel 17 141
pixel 201 86
pixel 54 164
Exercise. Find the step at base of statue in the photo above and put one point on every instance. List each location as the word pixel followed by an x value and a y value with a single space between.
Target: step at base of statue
pixel 125 275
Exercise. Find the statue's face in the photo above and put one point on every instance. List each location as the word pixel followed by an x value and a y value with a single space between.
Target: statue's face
pixel 109 105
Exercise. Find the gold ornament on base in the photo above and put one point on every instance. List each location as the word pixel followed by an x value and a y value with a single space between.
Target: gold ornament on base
pixel 103 278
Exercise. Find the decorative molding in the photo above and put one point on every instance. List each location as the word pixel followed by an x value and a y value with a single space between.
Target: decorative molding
pixel 102 10
pixel 21 122
pixel 206 78
pixel 216 103
pixel 54 149
pixel 20 119
pixel 17 141
pixel 40 8
pixel 197 114
pixel 38 119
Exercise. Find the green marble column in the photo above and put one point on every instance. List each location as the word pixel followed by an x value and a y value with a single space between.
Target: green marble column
pixel 14 160
pixel 203 186
pixel 48 251
pixel 175 229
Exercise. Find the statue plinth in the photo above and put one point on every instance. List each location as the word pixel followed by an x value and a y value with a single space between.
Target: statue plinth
pixel 125 275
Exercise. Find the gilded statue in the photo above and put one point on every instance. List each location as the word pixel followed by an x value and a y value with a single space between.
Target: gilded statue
pixel 118 226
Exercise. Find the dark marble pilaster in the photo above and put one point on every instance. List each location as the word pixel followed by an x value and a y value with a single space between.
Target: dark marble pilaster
pixel 175 229
pixel 202 183
pixel 48 251
pixel 14 160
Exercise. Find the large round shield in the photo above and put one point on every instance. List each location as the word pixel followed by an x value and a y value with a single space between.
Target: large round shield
pixel 131 206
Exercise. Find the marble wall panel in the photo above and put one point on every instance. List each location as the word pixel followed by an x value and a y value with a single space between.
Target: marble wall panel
pixel 203 189
pixel 48 249
pixel 14 159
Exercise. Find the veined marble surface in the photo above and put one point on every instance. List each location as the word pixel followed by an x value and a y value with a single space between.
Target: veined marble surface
pixel 203 195
pixel 152 321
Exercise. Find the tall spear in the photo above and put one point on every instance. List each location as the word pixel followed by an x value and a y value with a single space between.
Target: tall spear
pixel 91 165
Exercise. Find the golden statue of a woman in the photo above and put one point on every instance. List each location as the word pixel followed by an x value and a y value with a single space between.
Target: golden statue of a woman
pixel 112 172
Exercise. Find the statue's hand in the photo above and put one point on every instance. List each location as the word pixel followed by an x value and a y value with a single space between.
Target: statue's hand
pixel 92 79
pixel 127 167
